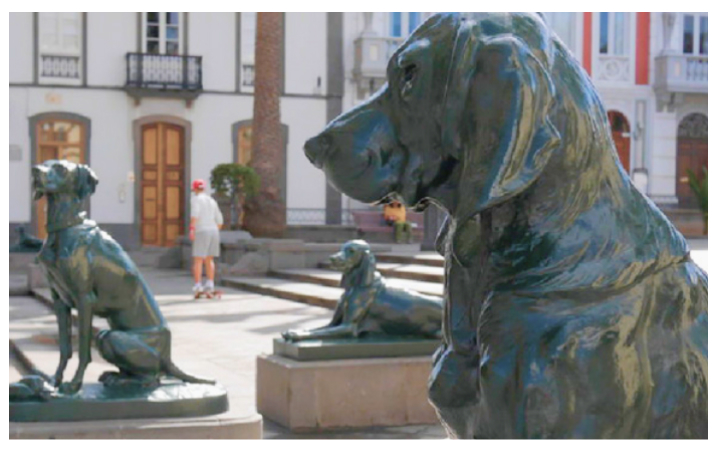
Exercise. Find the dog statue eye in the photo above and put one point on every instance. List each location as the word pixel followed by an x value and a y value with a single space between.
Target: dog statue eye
pixel 408 79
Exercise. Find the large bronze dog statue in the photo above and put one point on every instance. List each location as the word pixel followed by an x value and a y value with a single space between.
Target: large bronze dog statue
pixel 90 272
pixel 368 307
pixel 573 308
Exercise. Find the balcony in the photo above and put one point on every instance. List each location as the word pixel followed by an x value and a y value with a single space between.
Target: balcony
pixel 680 74
pixel 169 76
pixel 371 55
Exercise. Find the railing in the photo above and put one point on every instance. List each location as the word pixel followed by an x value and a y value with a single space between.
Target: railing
pixel 682 73
pixel 52 66
pixel 306 216
pixel 248 75
pixel 152 71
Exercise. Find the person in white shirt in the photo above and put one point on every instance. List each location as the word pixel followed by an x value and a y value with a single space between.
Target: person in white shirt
pixel 205 223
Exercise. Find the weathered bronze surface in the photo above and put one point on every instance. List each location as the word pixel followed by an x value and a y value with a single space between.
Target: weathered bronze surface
pixel 573 308
pixel 89 272
pixel 26 243
pixel 368 307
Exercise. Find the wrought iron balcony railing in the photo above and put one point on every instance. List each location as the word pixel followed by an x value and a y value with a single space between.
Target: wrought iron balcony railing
pixel 169 72
pixel 247 75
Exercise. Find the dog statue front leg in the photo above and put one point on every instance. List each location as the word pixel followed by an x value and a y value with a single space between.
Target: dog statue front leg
pixel 64 324
pixel 84 315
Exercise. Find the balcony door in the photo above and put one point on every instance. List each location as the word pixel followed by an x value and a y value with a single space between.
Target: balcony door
pixel 162 184
pixel 57 139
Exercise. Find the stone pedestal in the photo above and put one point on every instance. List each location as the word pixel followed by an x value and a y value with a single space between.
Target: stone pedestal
pixel 344 393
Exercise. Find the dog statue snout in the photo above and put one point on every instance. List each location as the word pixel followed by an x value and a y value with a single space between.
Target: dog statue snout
pixel 317 149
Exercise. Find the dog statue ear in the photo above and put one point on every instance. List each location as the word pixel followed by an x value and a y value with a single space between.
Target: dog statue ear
pixel 86 181
pixel 368 264
pixel 497 117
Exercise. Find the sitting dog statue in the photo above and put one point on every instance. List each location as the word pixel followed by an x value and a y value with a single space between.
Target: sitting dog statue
pixel 369 307
pixel 89 271
pixel 572 306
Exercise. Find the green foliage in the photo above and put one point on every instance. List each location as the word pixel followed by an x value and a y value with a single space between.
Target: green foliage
pixel 700 190
pixel 232 180
pixel 236 182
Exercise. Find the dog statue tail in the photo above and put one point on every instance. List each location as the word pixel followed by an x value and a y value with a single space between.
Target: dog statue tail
pixel 173 370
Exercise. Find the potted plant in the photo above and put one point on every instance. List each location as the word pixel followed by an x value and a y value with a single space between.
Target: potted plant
pixel 700 190
pixel 236 183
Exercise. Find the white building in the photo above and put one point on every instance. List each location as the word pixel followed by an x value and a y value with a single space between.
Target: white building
pixel 154 100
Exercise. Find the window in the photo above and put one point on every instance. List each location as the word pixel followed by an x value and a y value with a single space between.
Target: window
pixel 614 34
pixel 60 44
pixel 162 33
pixel 695 34
pixel 402 24
pixel 248 38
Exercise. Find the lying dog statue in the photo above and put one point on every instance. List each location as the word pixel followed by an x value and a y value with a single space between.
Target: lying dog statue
pixel 573 308
pixel 88 271
pixel 369 307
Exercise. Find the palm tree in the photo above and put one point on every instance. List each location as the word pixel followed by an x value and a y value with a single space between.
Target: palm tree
pixel 266 216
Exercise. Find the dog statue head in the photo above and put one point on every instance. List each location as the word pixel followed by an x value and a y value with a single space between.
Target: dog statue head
pixel 466 104
pixel 56 177
pixel 356 262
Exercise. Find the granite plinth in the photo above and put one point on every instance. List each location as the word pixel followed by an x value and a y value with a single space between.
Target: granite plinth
pixel 95 402
pixel 354 348
pixel 314 395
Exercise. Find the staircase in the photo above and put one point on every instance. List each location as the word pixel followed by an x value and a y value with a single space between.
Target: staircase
pixel 422 272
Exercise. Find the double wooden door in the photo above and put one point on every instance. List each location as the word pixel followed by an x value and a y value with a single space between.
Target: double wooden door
pixel 162 184
pixel 56 139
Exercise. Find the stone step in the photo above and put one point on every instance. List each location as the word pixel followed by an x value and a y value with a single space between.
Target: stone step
pixel 307 293
pixel 332 279
pixel 405 271
pixel 429 259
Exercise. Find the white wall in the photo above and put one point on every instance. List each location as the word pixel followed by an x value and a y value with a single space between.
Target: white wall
pixel 212 117
pixel 306 184
pixel 21 50
pixel 110 36
pixel 305 53
pixel 662 171
pixel 213 36
pixel 19 171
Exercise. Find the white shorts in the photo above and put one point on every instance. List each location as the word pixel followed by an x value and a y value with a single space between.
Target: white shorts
pixel 206 243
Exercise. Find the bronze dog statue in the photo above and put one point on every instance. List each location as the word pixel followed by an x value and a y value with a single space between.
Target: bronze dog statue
pixel 89 271
pixel 369 307
pixel 573 308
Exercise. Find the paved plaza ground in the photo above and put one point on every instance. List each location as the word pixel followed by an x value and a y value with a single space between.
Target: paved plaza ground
pixel 215 338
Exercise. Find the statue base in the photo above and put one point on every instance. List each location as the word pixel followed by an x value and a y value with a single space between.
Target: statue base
pixel 94 402
pixel 354 348
pixel 312 395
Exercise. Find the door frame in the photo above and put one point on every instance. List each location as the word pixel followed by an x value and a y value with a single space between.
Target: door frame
pixel 137 139
pixel 629 169
pixel 56 115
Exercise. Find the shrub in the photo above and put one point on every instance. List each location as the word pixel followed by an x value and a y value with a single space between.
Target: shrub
pixel 237 183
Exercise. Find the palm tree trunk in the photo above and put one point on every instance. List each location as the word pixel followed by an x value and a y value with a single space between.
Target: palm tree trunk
pixel 267 216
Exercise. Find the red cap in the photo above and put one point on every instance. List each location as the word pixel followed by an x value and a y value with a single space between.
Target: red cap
pixel 198 184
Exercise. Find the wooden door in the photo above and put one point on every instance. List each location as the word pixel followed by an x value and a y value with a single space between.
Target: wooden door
pixel 56 139
pixel 621 133
pixel 162 184
pixel 691 154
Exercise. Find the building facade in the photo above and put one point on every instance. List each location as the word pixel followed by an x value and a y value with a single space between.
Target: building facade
pixel 154 100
